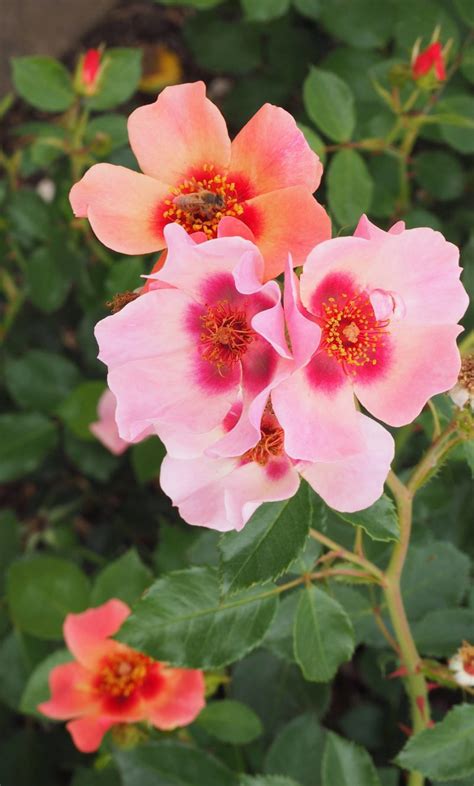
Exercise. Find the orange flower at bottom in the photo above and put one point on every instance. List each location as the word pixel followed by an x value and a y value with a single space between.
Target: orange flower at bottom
pixel 110 683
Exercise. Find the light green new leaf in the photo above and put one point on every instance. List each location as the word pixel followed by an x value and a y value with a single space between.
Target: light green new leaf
pixel 275 535
pixel 126 578
pixel 329 102
pixel 379 521
pixel 170 763
pixel 323 635
pixel 350 187
pixel 445 751
pixel 230 721
pixel 184 620
pixel 43 82
pixel 347 764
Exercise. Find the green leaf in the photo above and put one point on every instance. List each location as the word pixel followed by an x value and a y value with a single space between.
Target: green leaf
pixel 264 10
pixel 43 82
pixel 126 578
pixel 360 23
pixel 29 216
pixel 329 102
pixel 437 166
pixel 79 410
pixel 461 139
pixel 122 70
pixel 170 763
pixel 221 47
pixel 90 458
pixel 439 633
pixel 124 275
pixel 445 751
pixel 347 764
pixel 323 635
pixel 26 441
pixel 40 380
pixel 297 751
pixel 279 637
pixel 435 577
pixel 48 280
pixel 37 688
pixel 350 187
pixel 183 620
pixel 379 521
pixel 146 458
pixel 107 133
pixel 419 20
pixel 467 64
pixel 230 721
pixel 266 780
pixel 314 141
pixel 13 670
pixel 465 11
pixel 309 8
pixel 275 535
pixel 41 591
pixel 10 542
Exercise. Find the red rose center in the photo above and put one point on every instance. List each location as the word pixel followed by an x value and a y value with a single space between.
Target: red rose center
pixel 199 203
pixel 226 334
pixel 123 673
pixel 351 332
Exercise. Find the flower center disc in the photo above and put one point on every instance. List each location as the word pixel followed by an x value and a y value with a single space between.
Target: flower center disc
pixel 122 673
pixel 198 204
pixel 226 334
pixel 351 332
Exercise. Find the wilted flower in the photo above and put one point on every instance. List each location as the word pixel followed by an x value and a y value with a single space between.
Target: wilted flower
pixel 259 186
pixel 463 391
pixel 462 664
pixel 110 683
pixel 387 306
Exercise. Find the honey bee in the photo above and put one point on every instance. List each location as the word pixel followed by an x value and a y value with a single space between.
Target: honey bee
pixel 205 203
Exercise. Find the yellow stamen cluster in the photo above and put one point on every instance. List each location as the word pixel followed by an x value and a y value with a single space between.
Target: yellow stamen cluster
pixel 351 333
pixel 189 207
pixel 269 446
pixel 226 334
pixel 122 673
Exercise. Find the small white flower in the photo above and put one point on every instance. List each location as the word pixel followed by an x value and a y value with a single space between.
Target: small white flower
pixel 46 189
pixel 462 664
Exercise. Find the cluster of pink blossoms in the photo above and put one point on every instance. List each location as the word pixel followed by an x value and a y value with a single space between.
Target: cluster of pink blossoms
pixel 248 393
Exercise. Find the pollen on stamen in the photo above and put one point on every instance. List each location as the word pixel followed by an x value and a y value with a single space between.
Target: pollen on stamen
pixel 270 445
pixel 226 334
pixel 123 673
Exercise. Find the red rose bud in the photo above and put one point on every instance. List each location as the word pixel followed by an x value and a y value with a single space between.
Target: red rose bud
pixel 430 61
pixel 88 72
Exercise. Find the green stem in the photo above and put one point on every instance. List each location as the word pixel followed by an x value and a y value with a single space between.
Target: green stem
pixel 347 555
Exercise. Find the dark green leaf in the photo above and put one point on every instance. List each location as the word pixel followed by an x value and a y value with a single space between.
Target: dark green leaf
pixel 119 80
pixel 439 633
pixel 183 620
pixel 79 410
pixel 330 104
pixel 271 540
pixel 323 635
pixel 350 187
pixel 445 751
pixel 106 133
pixel 10 542
pixel 48 280
pixel 41 591
pixel 43 82
pixel 124 275
pixel 29 215
pixel 146 458
pixel 222 47
pixel 264 10
pixel 419 20
pixel 90 458
pixel 436 576
pixel 125 578
pixel 40 380
pixel 279 638
pixel 379 521
pixel 465 11
pixel 37 687
pixel 360 23
pixel 171 764
pixel 461 139
pixel 347 764
pixel 26 441
pixel 435 167
pixel 266 780
pixel 297 751
pixel 309 8
pixel 230 721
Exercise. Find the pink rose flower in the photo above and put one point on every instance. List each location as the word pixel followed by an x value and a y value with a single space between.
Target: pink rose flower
pixel 181 354
pixel 109 683
pixel 222 493
pixel 386 307
pixel 105 428
pixel 259 186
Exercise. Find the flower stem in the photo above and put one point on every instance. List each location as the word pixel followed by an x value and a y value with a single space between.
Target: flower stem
pixel 347 555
